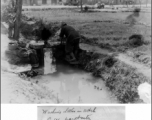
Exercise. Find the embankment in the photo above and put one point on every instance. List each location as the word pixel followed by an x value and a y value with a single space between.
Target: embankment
pixel 122 79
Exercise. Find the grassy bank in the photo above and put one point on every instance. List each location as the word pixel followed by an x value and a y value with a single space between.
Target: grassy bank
pixel 121 79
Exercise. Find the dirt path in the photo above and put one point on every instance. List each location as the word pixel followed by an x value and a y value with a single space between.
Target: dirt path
pixel 139 67
pixel 16 90
pixel 122 57
pixel 96 49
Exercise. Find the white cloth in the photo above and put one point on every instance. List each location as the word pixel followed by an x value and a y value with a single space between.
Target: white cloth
pixel 14 68
pixel 144 91
pixel 48 67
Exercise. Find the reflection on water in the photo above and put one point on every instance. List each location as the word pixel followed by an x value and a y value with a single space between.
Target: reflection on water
pixel 73 85
pixel 76 86
pixel 48 66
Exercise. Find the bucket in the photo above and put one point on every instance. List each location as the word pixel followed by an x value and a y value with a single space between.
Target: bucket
pixel 38 47
pixel 13 46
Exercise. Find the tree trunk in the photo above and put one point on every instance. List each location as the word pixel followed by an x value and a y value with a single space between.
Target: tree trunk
pixel 18 19
pixel 35 2
pixel 146 2
pixel 108 2
pixel 133 3
pixel 81 5
pixel 127 3
pixel 45 2
pixel 31 2
pixel 140 3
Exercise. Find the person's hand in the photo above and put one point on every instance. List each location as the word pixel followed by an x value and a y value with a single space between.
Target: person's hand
pixel 61 39
pixel 58 32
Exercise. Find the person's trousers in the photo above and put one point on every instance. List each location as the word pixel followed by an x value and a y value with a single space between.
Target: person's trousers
pixel 72 46
pixel 34 61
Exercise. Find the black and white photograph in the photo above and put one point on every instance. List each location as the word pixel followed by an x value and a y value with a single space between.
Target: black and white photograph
pixel 81 113
pixel 76 52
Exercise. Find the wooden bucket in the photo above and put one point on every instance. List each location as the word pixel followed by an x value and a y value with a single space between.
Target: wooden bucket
pixel 40 52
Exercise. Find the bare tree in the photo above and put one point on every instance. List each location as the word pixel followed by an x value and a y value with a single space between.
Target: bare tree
pixel 31 2
pixel 134 2
pixel 81 5
pixel 146 2
pixel 108 2
pixel 140 3
pixel 18 19
pixel 35 2
pixel 126 2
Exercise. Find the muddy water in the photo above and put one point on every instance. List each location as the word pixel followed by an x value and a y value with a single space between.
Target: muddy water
pixel 72 85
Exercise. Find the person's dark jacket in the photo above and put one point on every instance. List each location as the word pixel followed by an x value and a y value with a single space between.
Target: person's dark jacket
pixel 69 32
pixel 45 34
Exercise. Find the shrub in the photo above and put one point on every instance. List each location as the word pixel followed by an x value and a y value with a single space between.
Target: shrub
pixel 86 8
pixel 123 82
pixel 136 40
pixel 109 62
pixel 39 29
pixel 8 12
pixel 16 57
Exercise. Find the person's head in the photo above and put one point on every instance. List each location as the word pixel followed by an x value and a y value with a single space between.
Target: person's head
pixel 63 24
pixel 136 12
pixel 45 34
pixel 30 44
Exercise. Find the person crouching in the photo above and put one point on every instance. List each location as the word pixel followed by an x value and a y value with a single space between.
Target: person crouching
pixel 72 41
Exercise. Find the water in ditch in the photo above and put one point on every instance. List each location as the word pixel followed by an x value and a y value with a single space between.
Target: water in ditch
pixel 72 85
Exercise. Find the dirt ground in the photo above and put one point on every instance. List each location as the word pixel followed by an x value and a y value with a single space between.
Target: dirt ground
pixel 16 90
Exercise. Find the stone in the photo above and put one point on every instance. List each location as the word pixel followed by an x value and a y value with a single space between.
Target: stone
pixel 144 91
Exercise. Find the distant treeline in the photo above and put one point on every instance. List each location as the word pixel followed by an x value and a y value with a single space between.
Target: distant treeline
pixel 108 2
